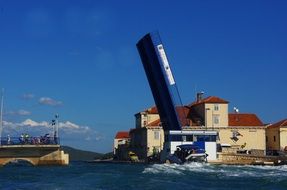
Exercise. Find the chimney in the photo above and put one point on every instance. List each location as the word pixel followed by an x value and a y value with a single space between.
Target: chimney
pixel 199 96
pixel 236 111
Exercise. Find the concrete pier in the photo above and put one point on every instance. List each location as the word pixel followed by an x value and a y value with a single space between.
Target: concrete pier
pixel 246 159
pixel 34 154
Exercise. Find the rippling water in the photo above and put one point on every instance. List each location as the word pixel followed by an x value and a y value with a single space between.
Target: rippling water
pixel 81 175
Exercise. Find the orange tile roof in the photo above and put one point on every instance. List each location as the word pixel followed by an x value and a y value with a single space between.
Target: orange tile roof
pixel 197 120
pixel 182 113
pixel 154 123
pixel 210 100
pixel 282 123
pixel 122 135
pixel 243 119
pixel 152 110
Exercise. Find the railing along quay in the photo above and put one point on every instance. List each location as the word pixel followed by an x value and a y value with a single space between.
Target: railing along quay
pixel 42 140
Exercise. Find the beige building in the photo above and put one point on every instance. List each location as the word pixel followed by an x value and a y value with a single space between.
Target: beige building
pixel 147 138
pixel 235 129
pixel 146 141
pixel 146 117
pixel 276 136
pixel 209 112
pixel 244 131
pixel 121 145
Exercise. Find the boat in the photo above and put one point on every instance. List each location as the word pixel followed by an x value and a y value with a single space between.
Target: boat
pixel 197 146
pixel 187 153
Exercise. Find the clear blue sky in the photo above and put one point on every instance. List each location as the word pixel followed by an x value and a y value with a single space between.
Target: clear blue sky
pixel 78 59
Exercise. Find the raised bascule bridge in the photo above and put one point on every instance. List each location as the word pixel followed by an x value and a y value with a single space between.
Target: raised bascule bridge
pixel 185 145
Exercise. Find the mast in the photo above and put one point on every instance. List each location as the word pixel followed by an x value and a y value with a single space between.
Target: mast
pixel 1 115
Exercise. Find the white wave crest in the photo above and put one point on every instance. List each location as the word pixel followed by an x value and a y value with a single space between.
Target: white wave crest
pixel 175 168
pixel 222 171
pixel 163 168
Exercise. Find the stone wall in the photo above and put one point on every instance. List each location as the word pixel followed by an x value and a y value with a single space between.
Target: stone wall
pixel 34 154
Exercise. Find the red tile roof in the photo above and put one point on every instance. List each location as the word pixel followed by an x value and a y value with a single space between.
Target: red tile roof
pixel 282 123
pixel 182 113
pixel 197 119
pixel 154 123
pixel 122 135
pixel 210 100
pixel 152 110
pixel 243 119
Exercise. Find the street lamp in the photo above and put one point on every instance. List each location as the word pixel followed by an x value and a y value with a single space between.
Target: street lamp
pixel 55 124
pixel 57 127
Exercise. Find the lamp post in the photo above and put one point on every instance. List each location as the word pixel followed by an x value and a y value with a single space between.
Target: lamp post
pixel 206 109
pixel 57 128
pixel 55 124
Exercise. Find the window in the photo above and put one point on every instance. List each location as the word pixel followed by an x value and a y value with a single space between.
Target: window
pixel 216 119
pixel 189 138
pixel 266 139
pixel 206 138
pixel 184 138
pixel 156 135
pixel 216 107
pixel 173 138
pixel 144 120
pixel 274 138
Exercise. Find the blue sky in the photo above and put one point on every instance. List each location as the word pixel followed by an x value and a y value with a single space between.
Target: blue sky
pixel 78 59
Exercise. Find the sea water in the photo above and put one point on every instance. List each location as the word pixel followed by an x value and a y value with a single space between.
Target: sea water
pixel 83 175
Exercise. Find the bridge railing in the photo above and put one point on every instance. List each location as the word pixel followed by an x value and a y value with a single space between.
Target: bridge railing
pixel 42 140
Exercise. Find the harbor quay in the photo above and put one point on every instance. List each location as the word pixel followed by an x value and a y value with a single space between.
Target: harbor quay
pixel 42 150
pixel 34 154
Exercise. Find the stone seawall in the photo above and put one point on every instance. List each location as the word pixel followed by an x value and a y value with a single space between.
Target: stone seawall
pixel 242 159
pixel 34 154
